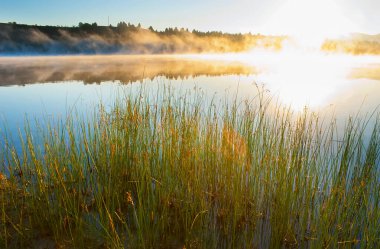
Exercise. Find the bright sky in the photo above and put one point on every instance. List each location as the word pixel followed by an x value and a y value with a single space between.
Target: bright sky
pixel 269 16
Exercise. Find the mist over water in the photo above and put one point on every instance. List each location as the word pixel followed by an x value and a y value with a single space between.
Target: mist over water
pixel 52 87
pixel 126 69
pixel 299 79
pixel 124 39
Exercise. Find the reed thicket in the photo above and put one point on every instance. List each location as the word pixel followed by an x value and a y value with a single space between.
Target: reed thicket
pixel 176 172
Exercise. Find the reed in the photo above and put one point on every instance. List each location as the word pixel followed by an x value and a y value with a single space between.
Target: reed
pixel 176 172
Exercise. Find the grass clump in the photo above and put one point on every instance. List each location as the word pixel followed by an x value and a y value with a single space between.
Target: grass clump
pixel 170 173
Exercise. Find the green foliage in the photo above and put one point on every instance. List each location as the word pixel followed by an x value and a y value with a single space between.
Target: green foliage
pixel 169 173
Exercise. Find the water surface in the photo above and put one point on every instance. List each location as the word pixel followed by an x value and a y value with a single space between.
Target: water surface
pixel 40 87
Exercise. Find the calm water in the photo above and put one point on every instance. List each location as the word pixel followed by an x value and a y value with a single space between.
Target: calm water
pixel 41 87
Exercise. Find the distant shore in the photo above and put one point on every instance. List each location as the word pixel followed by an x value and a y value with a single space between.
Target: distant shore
pixel 125 38
pixel 21 39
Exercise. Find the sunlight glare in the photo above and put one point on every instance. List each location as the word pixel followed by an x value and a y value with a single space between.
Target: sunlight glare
pixel 299 78
pixel 309 21
pixel 303 80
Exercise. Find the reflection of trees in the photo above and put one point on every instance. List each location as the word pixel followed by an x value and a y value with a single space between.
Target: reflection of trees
pixel 127 69
pixel 369 72
pixel 97 69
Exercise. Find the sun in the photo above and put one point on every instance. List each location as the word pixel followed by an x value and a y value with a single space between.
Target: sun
pixel 309 21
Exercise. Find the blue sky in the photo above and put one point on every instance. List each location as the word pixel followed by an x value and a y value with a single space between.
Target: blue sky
pixel 224 15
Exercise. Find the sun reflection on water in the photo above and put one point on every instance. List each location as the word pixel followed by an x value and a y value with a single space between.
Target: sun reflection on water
pixel 300 77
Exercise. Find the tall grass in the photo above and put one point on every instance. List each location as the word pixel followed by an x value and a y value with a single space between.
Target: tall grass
pixel 171 173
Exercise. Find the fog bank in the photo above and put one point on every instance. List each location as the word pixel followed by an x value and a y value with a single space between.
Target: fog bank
pixel 18 39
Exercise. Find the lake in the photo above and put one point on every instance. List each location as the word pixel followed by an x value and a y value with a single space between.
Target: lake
pixel 245 180
pixel 43 87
